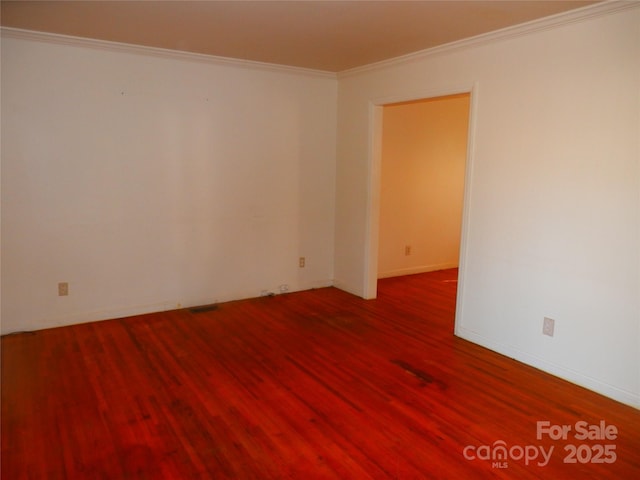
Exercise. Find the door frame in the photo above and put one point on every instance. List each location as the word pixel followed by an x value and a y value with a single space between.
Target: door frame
pixel 376 107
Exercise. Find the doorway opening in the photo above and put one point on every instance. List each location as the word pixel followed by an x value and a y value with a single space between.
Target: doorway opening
pixel 420 165
pixel 424 152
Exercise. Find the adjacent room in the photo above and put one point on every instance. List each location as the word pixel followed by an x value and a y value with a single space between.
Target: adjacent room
pixel 261 239
pixel 422 171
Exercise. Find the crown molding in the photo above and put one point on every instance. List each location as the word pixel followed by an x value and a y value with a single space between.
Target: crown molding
pixel 58 39
pixel 546 23
pixel 554 21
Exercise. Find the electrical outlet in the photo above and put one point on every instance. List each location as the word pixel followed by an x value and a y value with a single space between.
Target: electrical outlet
pixel 302 262
pixel 407 250
pixel 284 288
pixel 548 325
pixel 63 289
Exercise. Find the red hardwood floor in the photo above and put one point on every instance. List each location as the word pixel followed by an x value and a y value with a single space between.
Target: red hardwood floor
pixel 310 385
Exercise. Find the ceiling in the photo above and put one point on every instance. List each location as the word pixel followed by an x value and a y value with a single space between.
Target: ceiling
pixel 325 35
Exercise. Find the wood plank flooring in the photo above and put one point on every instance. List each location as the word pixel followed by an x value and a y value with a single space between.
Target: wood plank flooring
pixel 309 385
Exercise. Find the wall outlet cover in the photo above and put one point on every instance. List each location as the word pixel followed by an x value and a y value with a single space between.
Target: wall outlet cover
pixel 548 326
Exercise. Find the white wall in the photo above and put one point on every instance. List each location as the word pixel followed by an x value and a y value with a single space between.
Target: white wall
pixel 424 151
pixel 552 219
pixel 149 182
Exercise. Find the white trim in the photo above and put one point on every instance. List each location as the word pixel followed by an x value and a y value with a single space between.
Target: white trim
pixel 93 316
pixel 629 398
pixel 89 316
pixel 546 23
pixel 467 204
pixel 54 38
pixel 451 89
pixel 581 14
pixel 414 270
pixel 374 166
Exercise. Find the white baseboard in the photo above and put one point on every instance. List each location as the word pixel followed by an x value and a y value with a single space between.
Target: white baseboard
pixel 92 316
pixel 623 396
pixel 132 310
pixel 418 269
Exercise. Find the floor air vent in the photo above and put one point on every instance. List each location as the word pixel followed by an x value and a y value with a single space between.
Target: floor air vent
pixel 204 308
